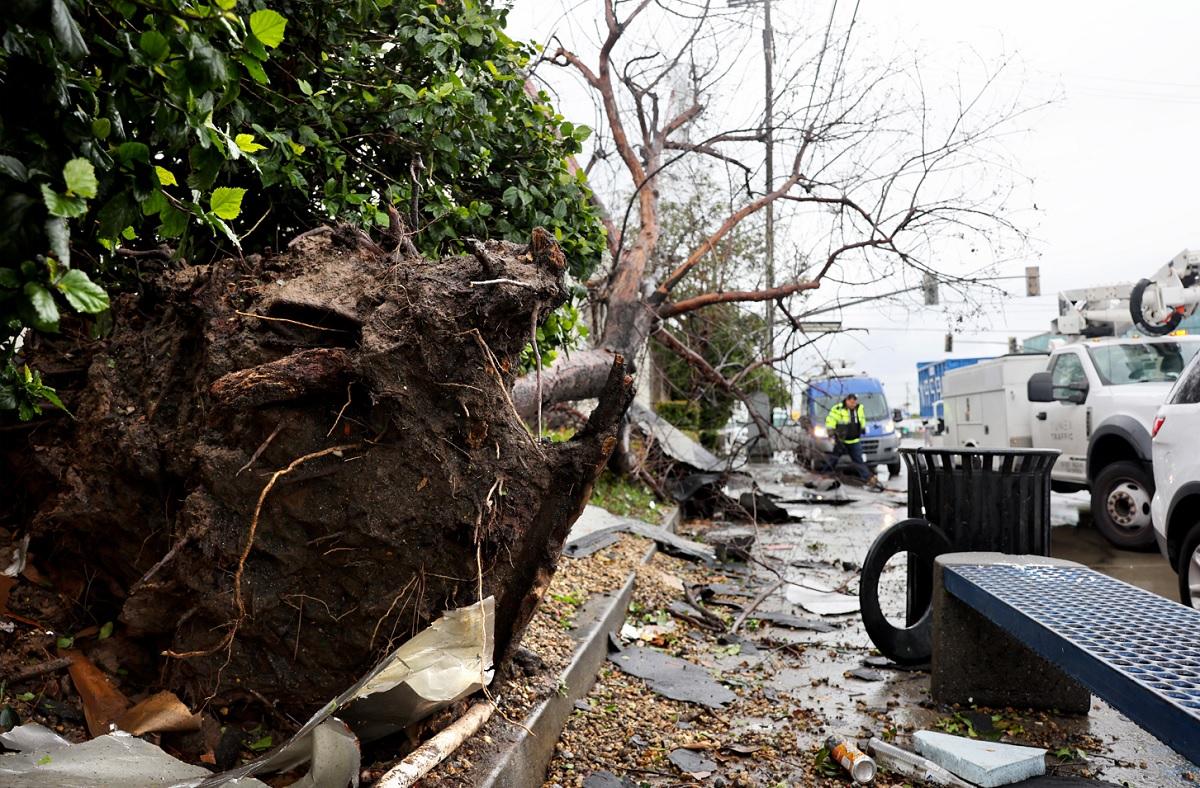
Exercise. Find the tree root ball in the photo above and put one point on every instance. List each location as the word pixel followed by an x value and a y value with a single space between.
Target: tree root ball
pixel 279 469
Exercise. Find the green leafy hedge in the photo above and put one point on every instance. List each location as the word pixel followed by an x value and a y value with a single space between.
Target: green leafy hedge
pixel 227 126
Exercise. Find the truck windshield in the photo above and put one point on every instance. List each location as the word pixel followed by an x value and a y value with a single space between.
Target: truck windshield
pixel 1143 362
pixel 874 406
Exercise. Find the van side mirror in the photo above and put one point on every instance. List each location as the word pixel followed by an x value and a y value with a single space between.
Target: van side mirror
pixel 1040 388
pixel 897 415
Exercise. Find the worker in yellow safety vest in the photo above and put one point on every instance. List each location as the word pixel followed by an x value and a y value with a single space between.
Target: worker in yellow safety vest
pixel 846 422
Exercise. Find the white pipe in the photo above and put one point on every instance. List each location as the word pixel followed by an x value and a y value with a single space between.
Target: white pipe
pixel 422 760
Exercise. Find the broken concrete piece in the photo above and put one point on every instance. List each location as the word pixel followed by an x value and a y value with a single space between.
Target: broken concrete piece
pixel 987 764
pixel 692 763
pixel 901 761
pixel 672 677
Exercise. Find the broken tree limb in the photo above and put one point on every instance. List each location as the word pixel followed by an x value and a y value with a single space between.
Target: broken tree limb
pixel 421 760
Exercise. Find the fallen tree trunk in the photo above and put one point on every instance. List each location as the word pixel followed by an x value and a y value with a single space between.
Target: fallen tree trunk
pixel 278 469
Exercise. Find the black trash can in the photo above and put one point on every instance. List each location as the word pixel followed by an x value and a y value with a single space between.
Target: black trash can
pixel 995 500
pixel 959 500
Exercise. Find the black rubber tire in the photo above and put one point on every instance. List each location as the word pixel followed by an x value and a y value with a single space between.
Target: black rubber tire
pixel 1139 320
pixel 1108 478
pixel 1185 556
pixel 893 469
pixel 908 645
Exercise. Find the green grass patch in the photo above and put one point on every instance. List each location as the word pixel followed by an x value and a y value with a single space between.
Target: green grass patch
pixel 625 497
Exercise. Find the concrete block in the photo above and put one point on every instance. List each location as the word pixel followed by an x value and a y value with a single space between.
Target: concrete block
pixel 987 764
pixel 977 663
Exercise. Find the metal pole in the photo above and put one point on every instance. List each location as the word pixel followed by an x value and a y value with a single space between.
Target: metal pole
pixel 768 133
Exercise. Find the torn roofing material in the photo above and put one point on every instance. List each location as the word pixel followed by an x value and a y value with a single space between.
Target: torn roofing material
pixel 672 677
pixel 443 663
pixel 674 443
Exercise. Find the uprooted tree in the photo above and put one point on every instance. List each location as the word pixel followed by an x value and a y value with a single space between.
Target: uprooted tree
pixel 239 260
pixel 877 177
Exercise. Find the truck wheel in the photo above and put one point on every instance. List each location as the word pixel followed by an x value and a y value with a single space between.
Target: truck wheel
pixel 893 470
pixel 1121 497
pixel 1189 568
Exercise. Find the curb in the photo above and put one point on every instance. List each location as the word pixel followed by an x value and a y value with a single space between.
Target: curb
pixel 525 761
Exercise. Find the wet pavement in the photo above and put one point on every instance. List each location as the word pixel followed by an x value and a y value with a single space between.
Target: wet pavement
pixel 826 548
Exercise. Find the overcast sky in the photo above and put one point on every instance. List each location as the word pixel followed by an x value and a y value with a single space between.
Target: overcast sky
pixel 1112 166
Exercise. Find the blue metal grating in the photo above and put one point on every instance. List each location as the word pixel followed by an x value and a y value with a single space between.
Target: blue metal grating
pixel 1137 650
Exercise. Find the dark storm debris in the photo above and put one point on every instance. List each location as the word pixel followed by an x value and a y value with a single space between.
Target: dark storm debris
pixel 672 677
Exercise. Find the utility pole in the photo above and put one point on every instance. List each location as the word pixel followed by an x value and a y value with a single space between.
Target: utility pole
pixel 769 134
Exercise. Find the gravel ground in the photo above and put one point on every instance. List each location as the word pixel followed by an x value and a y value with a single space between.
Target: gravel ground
pixel 546 650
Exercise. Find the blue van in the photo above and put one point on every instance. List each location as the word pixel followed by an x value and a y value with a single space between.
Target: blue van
pixel 880 440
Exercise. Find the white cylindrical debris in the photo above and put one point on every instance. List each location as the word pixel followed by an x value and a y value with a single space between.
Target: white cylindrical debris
pixel 901 761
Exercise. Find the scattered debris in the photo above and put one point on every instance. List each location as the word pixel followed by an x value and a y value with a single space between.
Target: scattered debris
pixel 865 674
pixel 820 600
pixel 103 703
pixel 856 762
pixel 591 543
pixel 157 714
pixel 31 736
pixel 607 780
pixel 794 622
pixel 667 541
pixel 731 544
pixel 763 508
pixel 105 761
pixel 692 763
pixel 674 443
pixel 900 761
pixel 987 764
pixel 675 678
pixel 434 751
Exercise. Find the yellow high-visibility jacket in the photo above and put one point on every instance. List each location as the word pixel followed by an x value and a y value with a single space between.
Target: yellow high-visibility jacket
pixel 840 423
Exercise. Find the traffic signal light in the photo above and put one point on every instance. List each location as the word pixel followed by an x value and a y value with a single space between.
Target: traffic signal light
pixel 929 286
pixel 1033 281
pixel 949 343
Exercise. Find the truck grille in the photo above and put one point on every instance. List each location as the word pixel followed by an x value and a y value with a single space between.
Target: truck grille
pixel 870 446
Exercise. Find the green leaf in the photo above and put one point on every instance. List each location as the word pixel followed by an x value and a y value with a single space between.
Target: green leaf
pixel 155 45
pixel 254 69
pixel 61 204
pixel 226 5
pixel 174 222
pixel 101 128
pixel 60 238
pixel 66 32
pixel 13 168
pixel 26 696
pixel 226 202
pixel 297 148
pixel 45 311
pixel 10 278
pixel 165 176
pixel 255 47
pixel 65 642
pixel 267 26
pixel 133 151
pixel 106 630
pixel 305 88
pixel 80 177
pixel 246 143
pixel 82 293
pixel 473 37
pixel 262 744
pixel 44 760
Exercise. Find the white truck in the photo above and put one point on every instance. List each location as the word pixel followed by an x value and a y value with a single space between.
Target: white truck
pixel 1094 400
